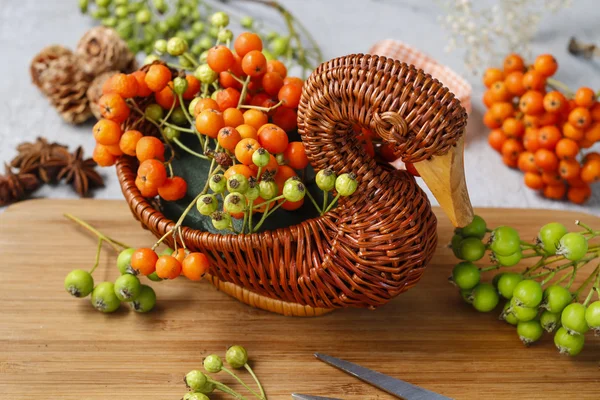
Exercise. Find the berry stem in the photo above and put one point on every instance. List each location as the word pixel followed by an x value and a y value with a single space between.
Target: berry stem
pixel 116 245
pixel 191 59
pixel 188 150
pixel 97 260
pixel 588 229
pixel 335 199
pixel 244 91
pixel 164 122
pixel 237 378
pixel 262 391
pixel 586 282
pixel 594 288
pixel 325 197
pixel 556 84
pixel 266 214
pixel 224 388
pixel 269 201
pixel 263 109
pixel 313 201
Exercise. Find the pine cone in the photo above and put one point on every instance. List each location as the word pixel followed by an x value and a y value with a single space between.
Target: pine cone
pixel 94 92
pixel 65 84
pixel 101 49
pixel 40 62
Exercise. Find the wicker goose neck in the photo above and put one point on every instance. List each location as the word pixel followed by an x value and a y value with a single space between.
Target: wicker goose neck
pixel 404 106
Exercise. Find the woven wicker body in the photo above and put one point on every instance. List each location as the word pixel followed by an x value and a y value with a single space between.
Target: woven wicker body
pixel 376 243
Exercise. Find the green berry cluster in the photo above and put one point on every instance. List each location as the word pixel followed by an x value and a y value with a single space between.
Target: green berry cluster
pixel 200 384
pixel 147 25
pixel 534 301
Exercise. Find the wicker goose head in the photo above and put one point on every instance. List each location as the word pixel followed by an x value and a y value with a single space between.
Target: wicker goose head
pixel 407 108
pixel 376 243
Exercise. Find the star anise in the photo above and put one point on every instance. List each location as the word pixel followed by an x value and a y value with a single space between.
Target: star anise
pixel 15 186
pixel 41 158
pixel 80 173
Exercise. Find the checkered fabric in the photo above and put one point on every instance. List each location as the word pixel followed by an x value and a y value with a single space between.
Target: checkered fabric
pixel 405 53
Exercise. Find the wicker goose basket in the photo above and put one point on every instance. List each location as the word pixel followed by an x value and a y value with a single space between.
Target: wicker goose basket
pixel 376 243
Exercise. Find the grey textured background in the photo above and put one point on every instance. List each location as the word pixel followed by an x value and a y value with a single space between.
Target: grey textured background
pixel 341 27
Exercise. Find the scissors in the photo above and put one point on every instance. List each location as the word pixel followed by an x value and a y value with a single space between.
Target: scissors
pixel 393 386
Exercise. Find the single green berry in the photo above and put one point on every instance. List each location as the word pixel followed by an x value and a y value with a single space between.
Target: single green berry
pixel 496 279
pixel 127 287
pixel 237 183
pixel 205 74
pixel 529 331
pixel 224 35
pixel 145 301
pixel 207 204
pixel 325 179
pixel 217 183
pixel 83 6
pixel 103 3
pixel 247 22
pixel 198 27
pixel 550 321
pixel 271 35
pixel 219 19
pixel 110 22
pixel 505 241
pixel 163 27
pixel 205 42
pixel 465 275
pixel 100 12
pixel 507 315
pixel 507 283
pixel 573 319
pixel 124 261
pixel 160 5
pixel 192 105
pixel 573 246
pixel 556 298
pixel 104 298
pixel 592 317
pixel 121 12
pixel 234 203
pixel 236 356
pixel 567 343
pixel 154 277
pixel 180 85
pixel 171 133
pixel 143 16
pixel 185 63
pixel 485 297
pixel 150 58
pixel 178 117
pixel 280 158
pixel 455 245
pixel 124 29
pixel 203 57
pixel 252 193
pixel 293 190
pixel 523 313
pixel 174 21
pixel 528 293
pixel 509 261
pixel 154 112
pixel 215 94
pixel 477 228
pixel 176 46
pixel 268 189
pixel 279 45
pixel 261 157
pixel 160 46
pixel 79 283
pixel 549 236
pixel 472 249
pixel 197 395
pixel 346 184
pixel 195 380
pixel 221 220
pixel 213 363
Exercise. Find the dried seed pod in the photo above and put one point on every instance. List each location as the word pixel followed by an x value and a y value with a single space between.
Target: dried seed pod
pixel 101 49
pixel 40 62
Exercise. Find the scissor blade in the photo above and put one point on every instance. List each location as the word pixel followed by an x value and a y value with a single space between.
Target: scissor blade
pixel 307 397
pixel 386 383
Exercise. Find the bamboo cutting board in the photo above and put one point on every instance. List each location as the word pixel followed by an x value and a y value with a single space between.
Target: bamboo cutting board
pixel 53 346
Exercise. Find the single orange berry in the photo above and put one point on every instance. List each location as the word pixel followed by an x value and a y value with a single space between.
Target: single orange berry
pixel 491 76
pixel 548 137
pixel 546 160
pixel 532 103
pixel 286 118
pixel 531 121
pixel 219 58
pixel 244 150
pixel 233 117
pixel 585 97
pixel 571 132
pixel 555 102
pixel 114 149
pixel 526 162
pixel 254 63
pixel 129 140
pixel 592 134
pixel 488 101
pixel 166 98
pixel 579 195
pixel 545 64
pixel 157 77
pixel 247 42
pixel 143 89
pixel 295 155
pixel 255 118
pixel 209 122
pixel 595 111
pixel 490 120
pixel 513 62
pixel 247 131
pixel 547 118
pixel 591 156
pixel 551 178
pixel 533 80
pixel 148 148
pixel 227 80
pixel 239 169
pixel 293 80
pixel 195 265
pixel 152 174
pixel 530 140
pixel 533 180
pixel 499 92
pixel 566 149
pixel 143 261
pixel 272 82
pixel 228 98
pixel 205 104
pixel 580 117
pixel 274 139
pixel 569 169
pixel 173 189
pixel 496 139
pixel 228 137
pixel 107 132
pixel 555 192
pixel 514 83
pixel 277 66
pixel 113 107
pixel 513 127
pixel 124 85
pixel 590 172
pixel 103 157
pixel 167 267
pixel 289 95
pixel 193 87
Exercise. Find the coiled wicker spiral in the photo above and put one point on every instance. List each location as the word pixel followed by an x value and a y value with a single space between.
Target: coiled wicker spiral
pixel 376 243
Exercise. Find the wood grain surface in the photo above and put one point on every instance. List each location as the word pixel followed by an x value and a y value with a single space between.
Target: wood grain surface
pixel 53 346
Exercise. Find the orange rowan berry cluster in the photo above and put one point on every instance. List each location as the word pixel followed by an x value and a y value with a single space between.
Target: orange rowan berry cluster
pixel 543 132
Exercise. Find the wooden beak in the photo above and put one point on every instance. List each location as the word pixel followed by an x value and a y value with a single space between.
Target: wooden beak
pixel 445 177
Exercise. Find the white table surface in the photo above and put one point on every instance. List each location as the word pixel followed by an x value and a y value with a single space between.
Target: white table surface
pixel 341 27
